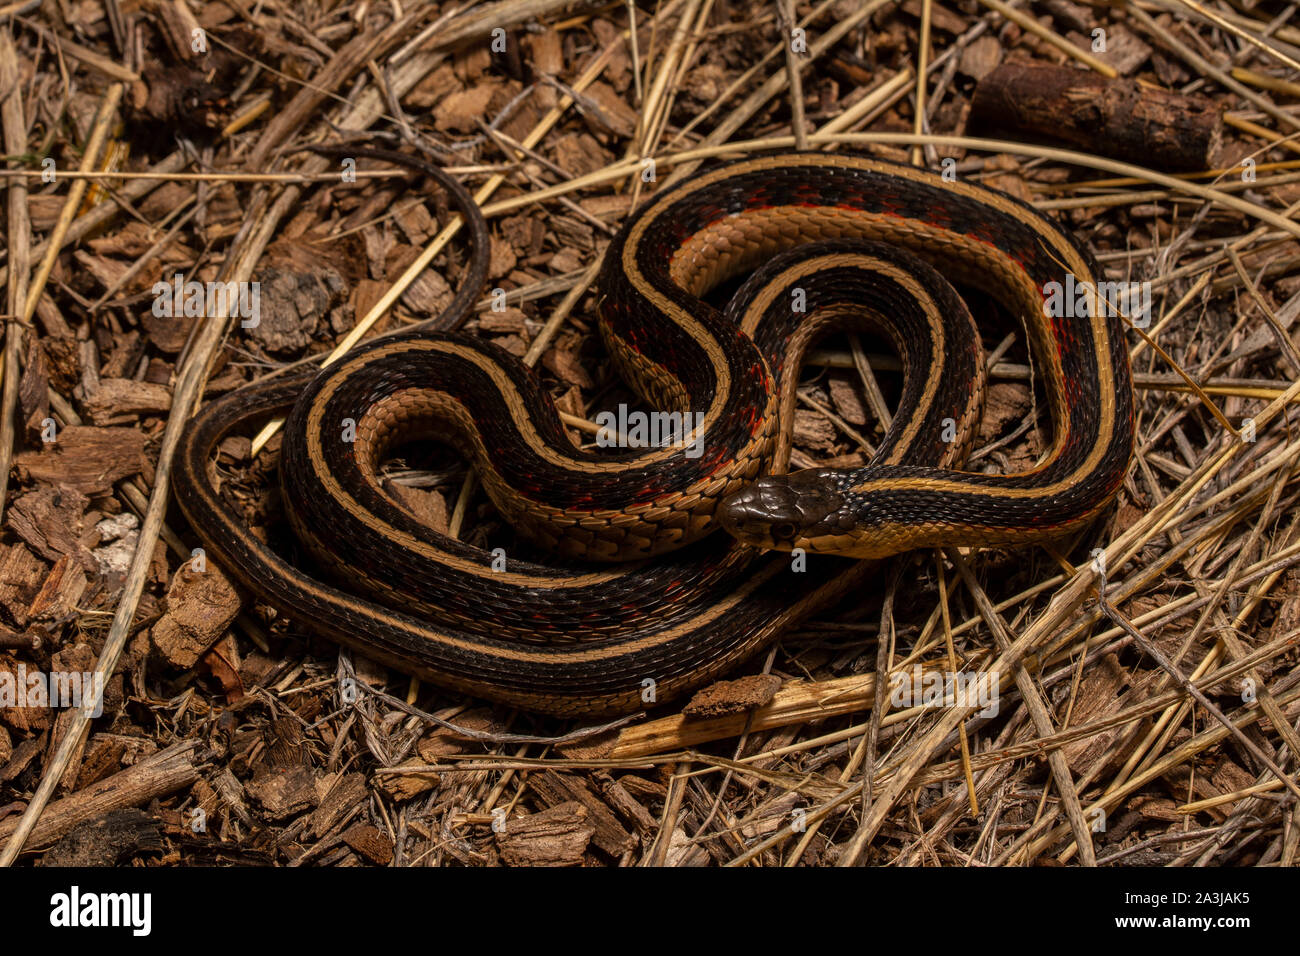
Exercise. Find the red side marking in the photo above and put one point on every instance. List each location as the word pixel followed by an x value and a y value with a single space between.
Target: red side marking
pixel 940 218
pixel 985 240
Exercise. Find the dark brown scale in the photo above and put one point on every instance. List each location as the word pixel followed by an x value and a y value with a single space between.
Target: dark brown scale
pixel 708 571
pixel 973 519
pixel 464 629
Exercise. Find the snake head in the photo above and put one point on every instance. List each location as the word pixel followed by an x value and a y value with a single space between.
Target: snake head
pixel 780 512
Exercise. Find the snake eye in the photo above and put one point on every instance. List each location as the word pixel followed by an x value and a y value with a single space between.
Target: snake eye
pixel 784 531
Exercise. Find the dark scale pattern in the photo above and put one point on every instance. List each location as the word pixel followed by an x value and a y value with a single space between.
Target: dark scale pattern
pixel 676 623
pixel 340 539
pixel 865 300
pixel 705 573
pixel 973 519
pixel 876 193
pixel 379 372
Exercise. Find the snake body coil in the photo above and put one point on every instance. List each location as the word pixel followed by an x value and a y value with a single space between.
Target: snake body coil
pixel 856 242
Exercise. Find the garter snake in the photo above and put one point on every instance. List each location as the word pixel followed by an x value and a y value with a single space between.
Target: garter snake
pixel 856 242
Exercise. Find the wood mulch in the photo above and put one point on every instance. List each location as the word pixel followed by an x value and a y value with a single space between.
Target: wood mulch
pixel 225 735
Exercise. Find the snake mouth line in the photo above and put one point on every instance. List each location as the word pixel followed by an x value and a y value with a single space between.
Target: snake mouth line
pixel 786 511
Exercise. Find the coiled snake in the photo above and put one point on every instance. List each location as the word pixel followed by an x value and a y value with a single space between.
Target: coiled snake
pixel 855 241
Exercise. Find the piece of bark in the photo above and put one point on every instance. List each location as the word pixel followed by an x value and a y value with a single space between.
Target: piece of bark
pixel 167 333
pixel 1006 173
pixel 619 70
pixel 845 397
pixel 1231 777
pixel 771 817
pixel 63 587
pixel 51 521
pixel 732 696
pixel 501 258
pixel 554 837
pixel 432 88
pixel 460 111
pixel 1116 118
pixel 233 795
pixel 1188 787
pixel 607 112
pixel 683 852
pixel 61 358
pixel 34 391
pixel 342 800
pixel 156 776
pixel 629 808
pixel 608 208
pixel 103 755
pixel 567 260
pixel 647 791
pixel 941 18
pixel 62 724
pixel 283 794
pixel 294 294
pixel 1099 694
pixel 981 57
pixel 284 745
pixel 24 753
pixel 370 842
pixel 410 784
pixel 200 606
pixel 564 361
pixel 557 788
pixel 546 56
pixel 1070 16
pixel 579 154
pixel 90 460
pixel 105 270
pixel 417 224
pixel 442 742
pixel 525 234
pixel 21 576
pixel 1157 808
pixel 116 400
pixel 1005 405
pixel 1125 51
pixel 812 431
pixel 24 703
pixel 222 661
pixel 109 841
pixel 509 321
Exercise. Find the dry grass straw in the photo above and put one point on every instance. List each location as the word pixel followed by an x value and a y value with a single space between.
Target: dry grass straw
pixel 1215 529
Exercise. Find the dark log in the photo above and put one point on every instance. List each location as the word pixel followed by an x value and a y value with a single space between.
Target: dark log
pixel 1121 119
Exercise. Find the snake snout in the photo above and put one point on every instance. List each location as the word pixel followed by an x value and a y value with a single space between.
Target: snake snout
pixel 782 511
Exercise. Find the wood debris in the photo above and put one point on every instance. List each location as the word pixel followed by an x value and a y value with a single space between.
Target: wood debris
pixel 228 733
